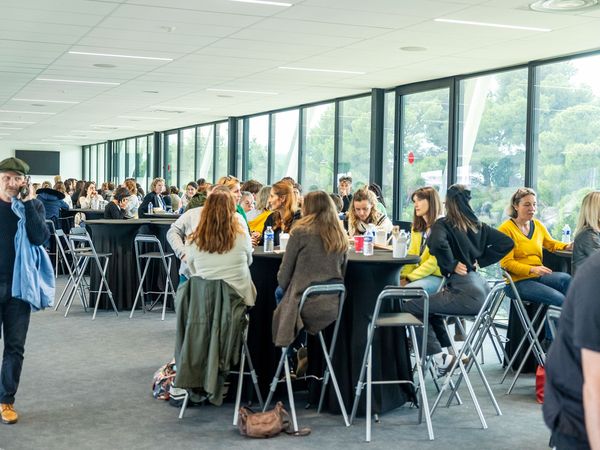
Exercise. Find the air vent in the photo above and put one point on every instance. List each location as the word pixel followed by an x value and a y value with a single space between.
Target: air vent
pixel 562 5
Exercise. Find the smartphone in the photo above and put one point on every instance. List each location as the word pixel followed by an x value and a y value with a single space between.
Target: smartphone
pixel 24 191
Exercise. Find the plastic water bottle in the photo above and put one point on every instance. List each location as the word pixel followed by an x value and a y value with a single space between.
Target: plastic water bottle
pixel 566 234
pixel 269 240
pixel 150 208
pixel 403 243
pixel 368 249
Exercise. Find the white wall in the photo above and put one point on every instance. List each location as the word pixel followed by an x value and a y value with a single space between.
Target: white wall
pixel 70 158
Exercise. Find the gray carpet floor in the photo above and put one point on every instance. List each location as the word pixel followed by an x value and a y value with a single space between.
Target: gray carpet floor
pixel 87 385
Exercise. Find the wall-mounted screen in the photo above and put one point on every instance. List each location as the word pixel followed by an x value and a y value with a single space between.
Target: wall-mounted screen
pixel 40 162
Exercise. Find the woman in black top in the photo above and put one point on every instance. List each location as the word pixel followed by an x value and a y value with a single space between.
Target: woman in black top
pixel 116 208
pixel 461 243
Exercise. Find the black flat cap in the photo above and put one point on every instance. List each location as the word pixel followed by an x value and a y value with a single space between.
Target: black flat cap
pixel 14 165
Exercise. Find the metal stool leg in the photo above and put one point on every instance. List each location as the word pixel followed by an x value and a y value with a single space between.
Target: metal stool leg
pixel 275 378
pixel 333 380
pixel 140 291
pixel 288 382
pixel 424 409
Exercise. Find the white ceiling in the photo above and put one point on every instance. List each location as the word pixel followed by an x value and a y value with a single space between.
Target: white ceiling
pixel 221 44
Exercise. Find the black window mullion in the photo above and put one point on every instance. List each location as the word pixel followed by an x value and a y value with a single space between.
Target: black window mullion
pixel 531 141
pixel 301 139
pixel 336 143
pixel 270 150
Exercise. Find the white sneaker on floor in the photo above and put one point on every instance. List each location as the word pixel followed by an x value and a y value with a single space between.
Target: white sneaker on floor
pixel 443 363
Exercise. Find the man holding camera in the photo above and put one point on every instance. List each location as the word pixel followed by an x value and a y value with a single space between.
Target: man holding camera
pixel 14 313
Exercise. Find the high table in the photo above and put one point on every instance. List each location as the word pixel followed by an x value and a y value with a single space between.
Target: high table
pixel 365 277
pixel 117 237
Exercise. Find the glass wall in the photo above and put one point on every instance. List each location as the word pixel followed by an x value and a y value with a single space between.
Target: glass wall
pixel 424 145
pixel 389 119
pixel 101 177
pixel 94 164
pixel 567 139
pixel 171 141
pixel 317 142
pixel 492 121
pixel 204 157
pixel 221 149
pixel 258 146
pixel 284 142
pixel 130 171
pixel 121 158
pixel 188 155
pixel 354 155
pixel 142 171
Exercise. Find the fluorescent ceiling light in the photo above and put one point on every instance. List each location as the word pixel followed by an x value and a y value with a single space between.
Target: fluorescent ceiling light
pixel 239 91
pixel 42 101
pixel 4 134
pixel 309 69
pixel 14 121
pixel 111 126
pixel 57 140
pixel 142 118
pixel 263 2
pixel 111 55
pixel 10 111
pixel 65 136
pixel 495 25
pixel 110 83
pixel 10 128
pixel 183 108
pixel 88 131
pixel 45 143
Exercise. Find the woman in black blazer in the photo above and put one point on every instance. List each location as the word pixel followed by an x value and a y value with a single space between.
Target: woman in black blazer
pixel 153 197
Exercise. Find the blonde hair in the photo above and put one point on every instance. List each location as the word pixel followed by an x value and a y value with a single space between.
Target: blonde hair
pixel 511 211
pixel 229 180
pixel 218 227
pixel 359 196
pixel 319 216
pixel 589 215
pixel 131 187
pixel 155 182
pixel 262 198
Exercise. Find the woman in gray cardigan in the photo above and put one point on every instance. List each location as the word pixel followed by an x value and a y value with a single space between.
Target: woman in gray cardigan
pixel 587 238
pixel 316 252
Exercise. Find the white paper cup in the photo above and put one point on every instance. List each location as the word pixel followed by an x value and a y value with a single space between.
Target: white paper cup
pixel 283 240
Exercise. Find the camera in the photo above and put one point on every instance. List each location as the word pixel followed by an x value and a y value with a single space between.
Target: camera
pixel 24 190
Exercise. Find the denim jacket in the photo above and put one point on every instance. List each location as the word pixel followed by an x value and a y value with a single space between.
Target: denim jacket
pixel 33 277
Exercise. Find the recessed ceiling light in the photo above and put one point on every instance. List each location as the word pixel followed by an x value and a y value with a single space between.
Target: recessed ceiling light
pixel 413 48
pixel 65 136
pixel 45 143
pixel 11 111
pixel 493 25
pixel 239 91
pixel 263 2
pixel 150 92
pixel 88 131
pixel 110 83
pixel 224 96
pixel 56 139
pixel 168 29
pixel 111 126
pixel 105 66
pixel 14 121
pixel 310 69
pixel 10 128
pixel 42 101
pixel 112 55
pixel 562 5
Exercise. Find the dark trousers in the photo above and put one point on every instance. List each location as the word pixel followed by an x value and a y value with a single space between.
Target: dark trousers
pixel 14 323
pixel 561 441
pixel 461 295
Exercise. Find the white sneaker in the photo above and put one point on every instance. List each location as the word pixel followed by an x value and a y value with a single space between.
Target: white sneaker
pixel 443 363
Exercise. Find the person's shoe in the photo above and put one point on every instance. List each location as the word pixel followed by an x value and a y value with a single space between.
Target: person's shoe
pixel 9 415
pixel 443 363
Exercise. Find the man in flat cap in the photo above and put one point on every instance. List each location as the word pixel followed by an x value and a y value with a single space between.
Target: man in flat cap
pixel 14 313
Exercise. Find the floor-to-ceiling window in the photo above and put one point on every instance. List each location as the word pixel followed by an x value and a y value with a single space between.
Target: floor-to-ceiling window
pixel 389 118
pixel 205 136
pixel 354 146
pixel 258 145
pixel 221 148
pixel 423 161
pixel 566 138
pixel 171 142
pixel 318 147
pixel 285 136
pixel 492 120
pixel 188 156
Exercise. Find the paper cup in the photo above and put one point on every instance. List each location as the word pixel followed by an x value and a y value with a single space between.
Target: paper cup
pixel 358 243
pixel 283 240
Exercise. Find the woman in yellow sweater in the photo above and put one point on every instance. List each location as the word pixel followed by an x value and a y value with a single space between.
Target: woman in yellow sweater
pixel 534 281
pixel 426 274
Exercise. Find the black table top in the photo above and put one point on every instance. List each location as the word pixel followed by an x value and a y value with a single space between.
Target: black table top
pixel 379 257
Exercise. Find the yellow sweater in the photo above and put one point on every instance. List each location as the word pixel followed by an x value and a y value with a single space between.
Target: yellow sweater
pixel 428 264
pixel 258 223
pixel 526 253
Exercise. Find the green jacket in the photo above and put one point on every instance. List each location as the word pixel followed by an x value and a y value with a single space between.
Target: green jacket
pixel 196 201
pixel 210 322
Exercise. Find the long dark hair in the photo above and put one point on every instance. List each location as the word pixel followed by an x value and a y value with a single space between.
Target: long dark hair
pixel 458 210
pixel 435 208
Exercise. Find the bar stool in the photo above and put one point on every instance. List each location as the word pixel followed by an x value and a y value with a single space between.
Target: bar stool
pixel 320 289
pixel 398 319
pixel 552 317
pixel 482 323
pixel 72 270
pixel 165 260
pixel 531 332
pixel 84 251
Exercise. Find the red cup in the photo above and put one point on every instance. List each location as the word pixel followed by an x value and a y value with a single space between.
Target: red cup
pixel 358 243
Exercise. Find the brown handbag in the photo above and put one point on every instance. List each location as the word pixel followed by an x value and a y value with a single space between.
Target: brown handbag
pixel 267 424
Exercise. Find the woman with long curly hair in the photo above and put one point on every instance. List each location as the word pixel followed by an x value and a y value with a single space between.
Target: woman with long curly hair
pixel 220 247
pixel 364 213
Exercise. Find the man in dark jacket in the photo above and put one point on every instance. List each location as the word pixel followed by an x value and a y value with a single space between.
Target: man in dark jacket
pixel 14 313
